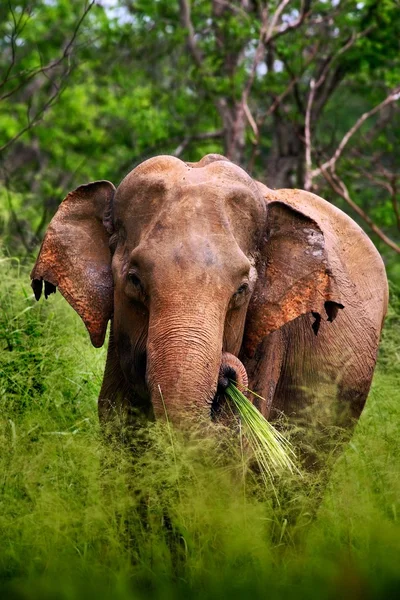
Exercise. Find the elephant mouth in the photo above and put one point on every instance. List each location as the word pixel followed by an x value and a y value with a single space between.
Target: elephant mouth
pixel 231 370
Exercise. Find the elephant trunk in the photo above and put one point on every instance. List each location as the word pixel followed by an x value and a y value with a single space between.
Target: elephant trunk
pixel 183 359
pixel 185 365
pixel 232 369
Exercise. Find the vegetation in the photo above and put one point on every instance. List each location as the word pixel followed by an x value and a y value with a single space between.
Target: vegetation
pixel 302 94
pixel 272 451
pixel 175 515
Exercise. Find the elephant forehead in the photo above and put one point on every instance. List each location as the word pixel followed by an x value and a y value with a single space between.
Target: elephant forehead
pixel 150 182
pixel 172 168
pixel 161 203
pixel 192 253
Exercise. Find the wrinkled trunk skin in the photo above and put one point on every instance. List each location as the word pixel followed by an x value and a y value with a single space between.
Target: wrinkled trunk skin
pixel 183 361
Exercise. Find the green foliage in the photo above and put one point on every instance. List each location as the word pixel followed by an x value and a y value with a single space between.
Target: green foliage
pixel 174 515
pixel 390 348
pixel 153 98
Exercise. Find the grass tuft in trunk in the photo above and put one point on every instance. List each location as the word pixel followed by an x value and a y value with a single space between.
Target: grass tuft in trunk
pixel 273 452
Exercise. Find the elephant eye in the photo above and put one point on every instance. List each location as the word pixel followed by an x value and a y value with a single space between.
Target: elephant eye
pixel 135 288
pixel 134 279
pixel 242 289
pixel 239 297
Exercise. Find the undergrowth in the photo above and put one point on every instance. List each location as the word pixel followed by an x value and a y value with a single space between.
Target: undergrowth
pixel 176 515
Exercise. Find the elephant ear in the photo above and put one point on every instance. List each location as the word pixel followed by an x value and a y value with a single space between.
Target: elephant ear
pixel 294 275
pixel 75 257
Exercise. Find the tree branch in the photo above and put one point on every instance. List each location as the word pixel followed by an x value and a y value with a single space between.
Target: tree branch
pixel 307 136
pixel 39 114
pixel 393 96
pixel 57 87
pixel 52 64
pixel 390 185
pixel 251 120
pixel 13 38
pixel 315 85
pixel 274 106
pixel 340 188
pixel 187 24
pixel 263 40
pixel 304 12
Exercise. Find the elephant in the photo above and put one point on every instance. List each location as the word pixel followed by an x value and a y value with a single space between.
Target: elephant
pixel 207 275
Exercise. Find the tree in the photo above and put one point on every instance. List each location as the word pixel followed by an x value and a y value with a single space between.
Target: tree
pixel 40 47
pixel 278 66
pixel 300 93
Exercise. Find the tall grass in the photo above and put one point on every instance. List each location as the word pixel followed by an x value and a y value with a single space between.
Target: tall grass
pixel 175 516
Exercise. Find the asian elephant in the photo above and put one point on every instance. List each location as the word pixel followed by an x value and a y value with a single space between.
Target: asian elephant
pixel 206 274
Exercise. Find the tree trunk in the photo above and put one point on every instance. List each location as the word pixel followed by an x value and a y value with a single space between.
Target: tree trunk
pixel 234 127
pixel 285 162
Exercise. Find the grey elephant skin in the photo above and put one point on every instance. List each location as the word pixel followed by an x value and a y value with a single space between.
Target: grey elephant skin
pixel 206 274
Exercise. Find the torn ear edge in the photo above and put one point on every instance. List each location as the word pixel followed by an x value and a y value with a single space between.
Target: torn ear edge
pixel 37 286
pixel 295 276
pixel 331 308
pixel 316 294
pixel 95 319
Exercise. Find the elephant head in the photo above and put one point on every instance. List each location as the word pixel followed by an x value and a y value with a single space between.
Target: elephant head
pixel 193 265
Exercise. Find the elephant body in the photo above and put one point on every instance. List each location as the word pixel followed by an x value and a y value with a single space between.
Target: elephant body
pixel 197 265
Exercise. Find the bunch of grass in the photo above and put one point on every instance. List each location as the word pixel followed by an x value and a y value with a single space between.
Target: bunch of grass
pixel 273 452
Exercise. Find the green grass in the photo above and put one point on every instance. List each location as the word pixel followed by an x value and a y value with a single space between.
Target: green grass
pixel 273 453
pixel 175 516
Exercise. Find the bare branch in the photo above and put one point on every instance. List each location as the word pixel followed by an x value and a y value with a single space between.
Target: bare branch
pixel 267 35
pixel 14 35
pixel 340 188
pixel 186 22
pixel 315 85
pixel 16 31
pixel 295 79
pixel 327 79
pixel 376 180
pixel 395 204
pixel 393 96
pixel 18 227
pixel 275 105
pixel 281 7
pixel 304 12
pixel 389 184
pixel 52 64
pixel 235 9
pixel 307 136
pixel 257 56
pixel 57 87
pixel 31 122
pixel 251 120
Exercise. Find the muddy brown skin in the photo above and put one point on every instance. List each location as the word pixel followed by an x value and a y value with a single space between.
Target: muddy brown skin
pixel 196 265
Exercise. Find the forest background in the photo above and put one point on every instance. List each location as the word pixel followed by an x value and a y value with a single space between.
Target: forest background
pixel 300 93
